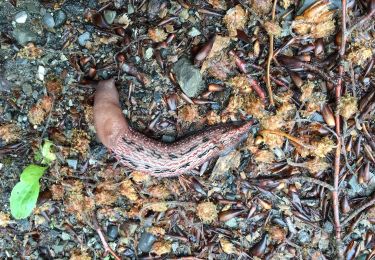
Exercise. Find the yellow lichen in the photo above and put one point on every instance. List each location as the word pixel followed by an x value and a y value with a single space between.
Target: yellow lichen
pixel 235 19
pixel 157 34
pixel 207 212
pixel 348 106
pixel 322 147
pixel 80 142
pixel 127 189
pixel 161 247
pixel 10 133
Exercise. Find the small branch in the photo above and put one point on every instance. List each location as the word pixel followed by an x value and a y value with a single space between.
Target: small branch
pixel 359 210
pixel 312 180
pixel 313 68
pixel 360 22
pixel 290 137
pixel 336 176
pixel 98 230
pixel 269 60
pixel 343 29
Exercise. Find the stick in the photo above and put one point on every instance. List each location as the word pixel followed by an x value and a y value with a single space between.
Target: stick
pixel 98 230
pixel 269 60
pixel 359 210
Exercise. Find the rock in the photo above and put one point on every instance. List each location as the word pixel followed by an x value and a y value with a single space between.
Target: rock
pixel 304 237
pixel 23 36
pixel 109 16
pixel 60 18
pixel 194 32
pixel 189 77
pixel 146 241
pixel 41 73
pixel 72 163
pixel 83 38
pixel 153 7
pixel 73 8
pixel 20 17
pixel 48 21
pixel 112 231
pixel 4 85
pixel 27 89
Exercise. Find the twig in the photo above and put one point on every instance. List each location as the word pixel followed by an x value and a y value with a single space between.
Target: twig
pixel 336 176
pixel 370 203
pixel 343 28
pixel 362 21
pixel 290 137
pixel 313 68
pixel 312 180
pixel 269 60
pixel 98 230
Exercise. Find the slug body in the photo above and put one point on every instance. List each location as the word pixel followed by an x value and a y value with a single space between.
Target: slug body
pixel 141 153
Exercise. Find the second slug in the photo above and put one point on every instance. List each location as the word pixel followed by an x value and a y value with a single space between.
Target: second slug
pixel 141 153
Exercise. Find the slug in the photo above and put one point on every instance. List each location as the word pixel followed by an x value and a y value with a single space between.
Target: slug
pixel 141 153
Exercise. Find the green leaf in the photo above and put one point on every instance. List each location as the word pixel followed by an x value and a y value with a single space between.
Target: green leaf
pixel 23 199
pixel 38 156
pixel 32 173
pixel 47 155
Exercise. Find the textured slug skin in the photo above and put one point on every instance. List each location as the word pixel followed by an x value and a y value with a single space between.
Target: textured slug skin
pixel 141 153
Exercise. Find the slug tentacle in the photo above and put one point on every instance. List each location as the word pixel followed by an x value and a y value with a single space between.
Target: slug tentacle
pixel 139 152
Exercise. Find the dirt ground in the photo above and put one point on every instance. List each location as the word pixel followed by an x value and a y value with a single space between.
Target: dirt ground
pixel 301 186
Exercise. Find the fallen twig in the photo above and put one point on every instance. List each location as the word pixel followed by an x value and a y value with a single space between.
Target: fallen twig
pixel 359 210
pixel 269 60
pixel 98 230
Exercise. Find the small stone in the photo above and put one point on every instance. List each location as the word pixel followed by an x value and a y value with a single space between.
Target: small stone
pixel 27 89
pixel 194 32
pixel 72 163
pixel 23 36
pixel 74 7
pixel 48 21
pixel 109 16
pixel 112 231
pixel 83 38
pixel 41 72
pixel 304 237
pixel 130 9
pixel 60 18
pixel 189 78
pixel 65 236
pixel 149 53
pixel 146 241
pixel 20 17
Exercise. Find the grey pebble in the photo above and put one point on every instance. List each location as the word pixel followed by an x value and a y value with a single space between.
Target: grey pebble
pixel 109 16
pixel 112 231
pixel 83 38
pixel 72 163
pixel 189 77
pixel 48 21
pixel 23 36
pixel 73 8
pixel 60 18
pixel 146 241
pixel 304 237
pixel 27 89
pixel 20 17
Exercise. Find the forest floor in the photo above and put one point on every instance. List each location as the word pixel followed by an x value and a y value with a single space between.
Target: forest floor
pixel 301 186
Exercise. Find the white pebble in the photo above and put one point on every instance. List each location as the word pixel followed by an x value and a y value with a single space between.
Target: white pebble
pixel 20 17
pixel 41 72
